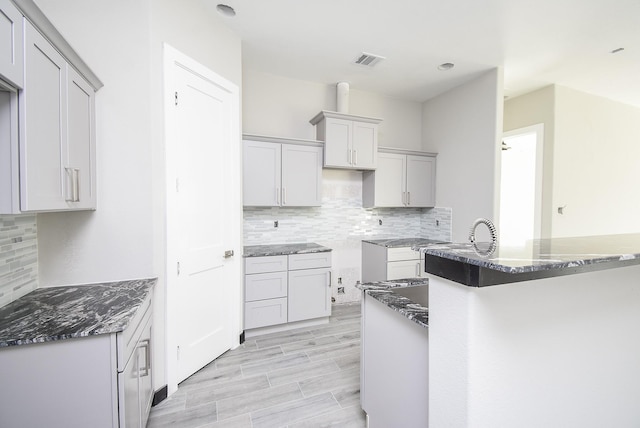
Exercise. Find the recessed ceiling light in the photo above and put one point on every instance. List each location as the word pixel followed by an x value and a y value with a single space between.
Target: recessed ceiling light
pixel 617 50
pixel 445 66
pixel 225 10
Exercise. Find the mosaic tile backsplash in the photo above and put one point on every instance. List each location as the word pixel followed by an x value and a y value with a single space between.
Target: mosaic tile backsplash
pixel 341 223
pixel 18 257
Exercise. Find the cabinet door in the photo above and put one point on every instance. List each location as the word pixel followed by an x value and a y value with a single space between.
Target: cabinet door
pixel 42 126
pixel 128 380
pixel 12 45
pixel 301 176
pixel 337 148
pixel 263 313
pixel 309 294
pixel 390 180
pixel 145 373
pixel 261 174
pixel 365 145
pixel 403 269
pixel 421 181
pixel 80 168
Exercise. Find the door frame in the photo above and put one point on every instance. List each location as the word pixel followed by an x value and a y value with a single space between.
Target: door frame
pixel 173 58
pixel 538 130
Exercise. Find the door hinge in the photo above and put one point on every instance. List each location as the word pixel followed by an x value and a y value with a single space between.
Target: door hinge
pixel 178 352
pixel 176 98
pixel 178 268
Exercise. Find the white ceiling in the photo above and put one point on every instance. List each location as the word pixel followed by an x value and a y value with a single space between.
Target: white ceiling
pixel 537 42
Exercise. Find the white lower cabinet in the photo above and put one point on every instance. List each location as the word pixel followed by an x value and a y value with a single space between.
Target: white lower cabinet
pixel 102 381
pixel 286 288
pixel 394 368
pixel 380 263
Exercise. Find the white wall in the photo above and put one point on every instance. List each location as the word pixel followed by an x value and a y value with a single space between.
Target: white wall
pixel 282 107
pixel 590 160
pixel 555 352
pixel 464 126
pixel 596 170
pixel 121 41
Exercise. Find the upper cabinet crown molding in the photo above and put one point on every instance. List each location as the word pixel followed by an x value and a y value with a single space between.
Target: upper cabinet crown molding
pixel 405 152
pixel 335 115
pixel 42 23
pixel 282 140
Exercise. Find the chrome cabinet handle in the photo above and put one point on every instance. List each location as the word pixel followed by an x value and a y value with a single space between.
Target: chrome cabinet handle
pixel 74 175
pixel 277 196
pixel 146 345
pixel 329 279
pixel 408 198
pixel 355 157
pixel 350 156
pixel 404 198
pixel 418 269
pixel 284 196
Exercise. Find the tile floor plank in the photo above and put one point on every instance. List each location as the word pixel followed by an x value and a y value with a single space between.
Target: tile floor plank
pixel 315 372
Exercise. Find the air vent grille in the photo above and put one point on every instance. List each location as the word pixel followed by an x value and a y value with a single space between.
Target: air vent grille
pixel 368 60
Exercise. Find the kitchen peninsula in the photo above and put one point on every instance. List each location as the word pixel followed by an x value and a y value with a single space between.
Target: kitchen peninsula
pixel 545 334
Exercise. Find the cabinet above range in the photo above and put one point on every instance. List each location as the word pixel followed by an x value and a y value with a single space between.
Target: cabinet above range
pixel 280 172
pixel 351 142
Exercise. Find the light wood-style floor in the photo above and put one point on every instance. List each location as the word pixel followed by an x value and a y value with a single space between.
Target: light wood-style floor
pixel 301 378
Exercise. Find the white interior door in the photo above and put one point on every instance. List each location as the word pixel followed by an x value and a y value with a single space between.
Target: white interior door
pixel 203 217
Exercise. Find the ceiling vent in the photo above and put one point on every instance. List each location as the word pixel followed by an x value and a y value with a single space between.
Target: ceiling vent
pixel 368 60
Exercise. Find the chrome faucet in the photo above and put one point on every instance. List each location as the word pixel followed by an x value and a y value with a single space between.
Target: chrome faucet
pixel 489 224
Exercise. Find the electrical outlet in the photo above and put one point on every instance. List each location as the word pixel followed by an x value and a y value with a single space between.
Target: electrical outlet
pixel 380 221
pixel 275 223
pixel 437 222
pixel 340 280
pixel 340 290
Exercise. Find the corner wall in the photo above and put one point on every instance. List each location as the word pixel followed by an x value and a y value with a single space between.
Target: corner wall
pixel 464 126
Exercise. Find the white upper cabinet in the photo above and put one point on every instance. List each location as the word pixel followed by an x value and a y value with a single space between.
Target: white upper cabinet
pixel 57 135
pixel 402 179
pixel 351 142
pixel 11 44
pixel 281 172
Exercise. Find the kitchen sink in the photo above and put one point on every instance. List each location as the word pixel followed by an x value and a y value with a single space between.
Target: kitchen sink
pixel 418 294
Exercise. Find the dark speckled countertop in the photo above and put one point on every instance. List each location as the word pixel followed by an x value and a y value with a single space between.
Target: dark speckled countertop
pixel 402 242
pixel 57 313
pixel 485 264
pixel 283 249
pixel 383 291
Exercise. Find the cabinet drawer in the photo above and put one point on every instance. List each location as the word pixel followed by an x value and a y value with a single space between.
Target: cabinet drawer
pixel 402 253
pixel 265 312
pixel 262 286
pixel 309 261
pixel 265 264
pixel 404 269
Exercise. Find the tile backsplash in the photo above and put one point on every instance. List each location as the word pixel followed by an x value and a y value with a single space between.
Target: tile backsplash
pixel 341 223
pixel 18 256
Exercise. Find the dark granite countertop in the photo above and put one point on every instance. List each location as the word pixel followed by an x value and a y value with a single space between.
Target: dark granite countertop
pixel 57 313
pixel 283 249
pixel 383 291
pixel 486 264
pixel 402 242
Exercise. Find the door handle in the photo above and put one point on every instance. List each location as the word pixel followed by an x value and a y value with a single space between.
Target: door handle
pixel 408 198
pixel 228 253
pixel 355 157
pixel 74 177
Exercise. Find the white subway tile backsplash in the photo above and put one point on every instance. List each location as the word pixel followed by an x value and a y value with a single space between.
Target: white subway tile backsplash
pixel 18 256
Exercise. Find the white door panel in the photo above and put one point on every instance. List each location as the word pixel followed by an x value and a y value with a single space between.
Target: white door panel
pixel 203 206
